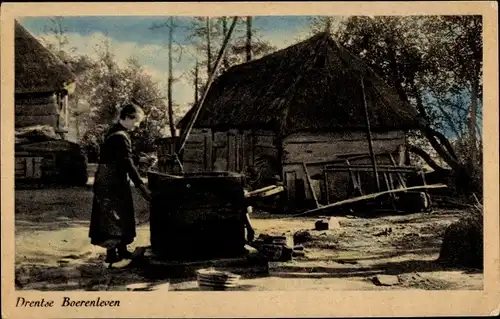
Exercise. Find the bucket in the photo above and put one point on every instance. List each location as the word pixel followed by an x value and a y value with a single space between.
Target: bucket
pixel 197 216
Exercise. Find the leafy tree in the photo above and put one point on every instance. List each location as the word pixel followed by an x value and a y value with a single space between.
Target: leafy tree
pixel 324 23
pixel 207 35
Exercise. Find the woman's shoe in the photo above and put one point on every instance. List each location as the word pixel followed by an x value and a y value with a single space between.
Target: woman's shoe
pixel 112 257
pixel 124 253
pixel 121 264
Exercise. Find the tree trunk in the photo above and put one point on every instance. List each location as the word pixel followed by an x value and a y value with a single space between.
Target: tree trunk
pixel 440 149
pixel 248 47
pixel 438 141
pixel 395 76
pixel 328 24
pixel 209 47
pixel 77 115
pixel 426 157
pixel 225 62
pixel 472 126
pixel 196 81
pixel 169 93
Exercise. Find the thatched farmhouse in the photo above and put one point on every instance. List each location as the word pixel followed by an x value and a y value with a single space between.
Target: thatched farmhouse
pixel 42 85
pixel 42 82
pixel 304 104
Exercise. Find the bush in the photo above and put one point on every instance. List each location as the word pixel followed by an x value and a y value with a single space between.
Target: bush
pixel 463 243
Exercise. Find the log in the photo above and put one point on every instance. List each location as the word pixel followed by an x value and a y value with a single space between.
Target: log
pixel 366 197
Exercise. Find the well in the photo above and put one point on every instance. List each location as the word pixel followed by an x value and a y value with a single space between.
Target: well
pixel 197 216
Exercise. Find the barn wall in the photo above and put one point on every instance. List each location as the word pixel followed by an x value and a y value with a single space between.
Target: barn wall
pixel 194 157
pixel 316 149
pixel 50 161
pixel 308 147
pixel 230 150
pixel 36 109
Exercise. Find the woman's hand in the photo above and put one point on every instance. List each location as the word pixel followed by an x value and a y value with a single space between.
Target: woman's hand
pixel 250 234
pixel 145 192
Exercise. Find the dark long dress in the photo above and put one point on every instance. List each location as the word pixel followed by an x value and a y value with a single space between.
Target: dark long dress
pixel 113 218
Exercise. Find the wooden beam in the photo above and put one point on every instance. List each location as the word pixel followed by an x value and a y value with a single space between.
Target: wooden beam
pixel 309 182
pixel 413 169
pixel 370 169
pixel 320 210
pixel 327 191
pixel 211 78
pixel 369 135
pixel 403 183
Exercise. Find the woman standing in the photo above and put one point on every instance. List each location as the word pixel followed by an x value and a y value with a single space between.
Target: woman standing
pixel 112 224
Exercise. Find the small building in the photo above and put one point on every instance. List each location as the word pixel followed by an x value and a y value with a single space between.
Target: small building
pixel 302 104
pixel 42 85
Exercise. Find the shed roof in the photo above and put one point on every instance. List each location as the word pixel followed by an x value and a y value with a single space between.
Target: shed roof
pixel 312 85
pixel 37 70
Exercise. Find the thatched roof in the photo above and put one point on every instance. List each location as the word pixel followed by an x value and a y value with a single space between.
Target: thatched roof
pixel 37 70
pixel 310 86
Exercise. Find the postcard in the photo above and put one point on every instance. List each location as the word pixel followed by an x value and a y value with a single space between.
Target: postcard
pixel 250 159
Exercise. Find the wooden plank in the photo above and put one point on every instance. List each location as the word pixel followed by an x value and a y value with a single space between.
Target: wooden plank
pixel 36 110
pixel 307 152
pixel 388 185
pixel 369 196
pixel 194 154
pixel 20 164
pixel 29 167
pixel 411 169
pixel 231 151
pixel 369 169
pixel 351 175
pixel 243 151
pixel 290 178
pixel 391 181
pixel 264 140
pixel 237 151
pixel 306 137
pixel 309 183
pixel 28 120
pixel 401 180
pixel 252 138
pixel 401 155
pixel 37 167
pixel 325 183
pixel 34 99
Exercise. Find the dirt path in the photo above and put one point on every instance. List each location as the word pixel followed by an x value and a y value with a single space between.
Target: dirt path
pixel 53 251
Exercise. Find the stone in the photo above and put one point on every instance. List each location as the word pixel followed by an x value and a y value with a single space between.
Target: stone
pixel 298 253
pixel 144 286
pixel 385 280
pixel 321 224
pixel 333 223
pixel 302 237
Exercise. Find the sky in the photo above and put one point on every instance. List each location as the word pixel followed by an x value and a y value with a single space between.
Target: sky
pixel 132 36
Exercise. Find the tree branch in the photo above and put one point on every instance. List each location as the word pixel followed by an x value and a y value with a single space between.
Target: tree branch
pixel 442 151
pixel 426 157
pixel 445 142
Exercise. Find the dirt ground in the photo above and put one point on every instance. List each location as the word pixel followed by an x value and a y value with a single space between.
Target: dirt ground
pixel 53 251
